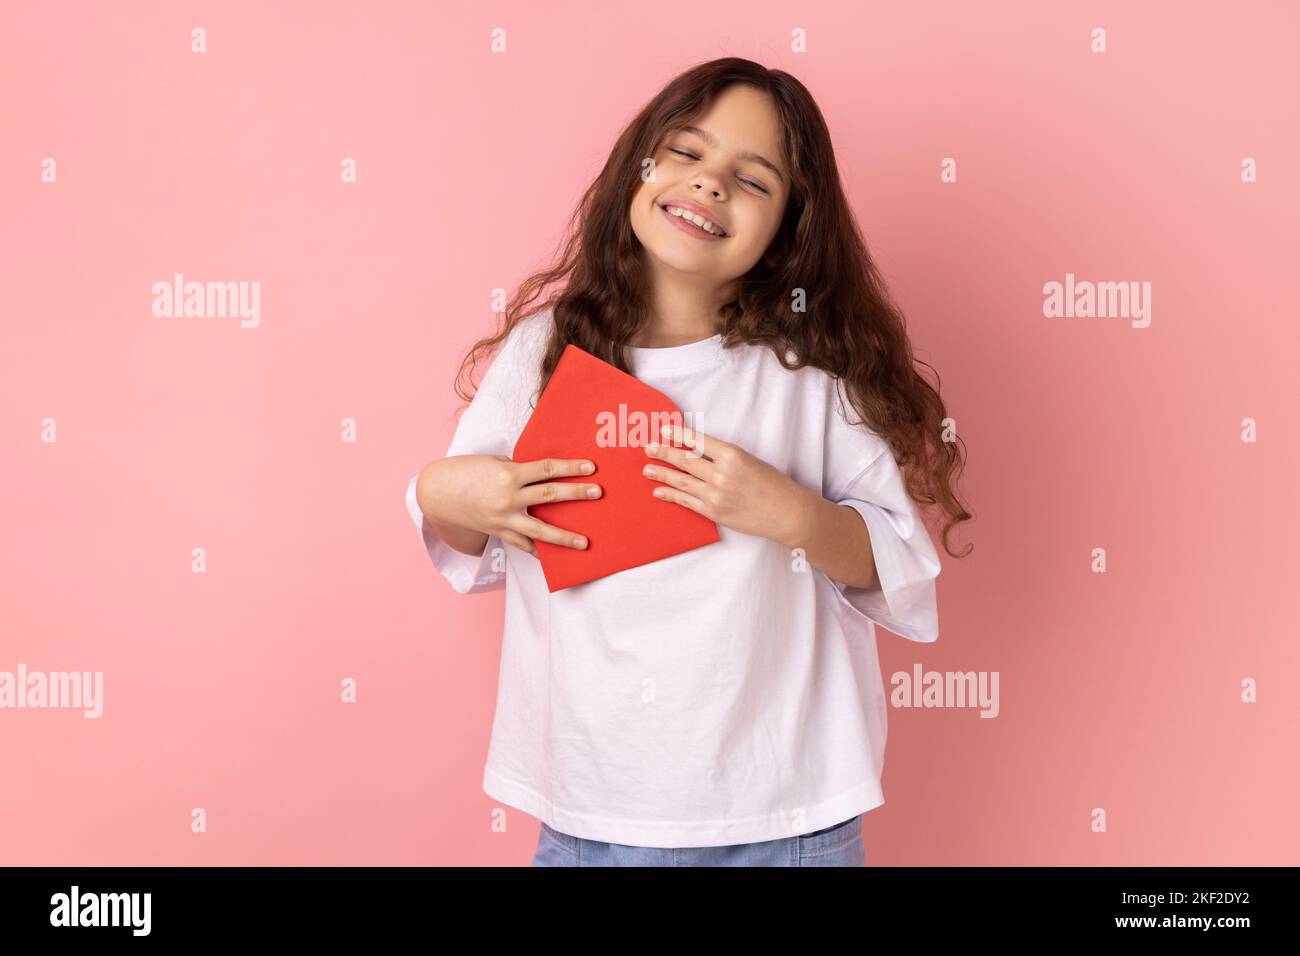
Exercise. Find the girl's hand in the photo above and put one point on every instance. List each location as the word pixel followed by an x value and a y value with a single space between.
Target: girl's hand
pixel 491 494
pixel 726 484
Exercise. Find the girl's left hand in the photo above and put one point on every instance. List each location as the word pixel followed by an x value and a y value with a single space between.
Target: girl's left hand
pixel 726 484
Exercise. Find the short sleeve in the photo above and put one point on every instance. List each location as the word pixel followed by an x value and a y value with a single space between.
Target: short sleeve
pixel 489 426
pixel 862 473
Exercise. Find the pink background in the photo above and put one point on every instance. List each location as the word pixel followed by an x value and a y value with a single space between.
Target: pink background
pixel 222 690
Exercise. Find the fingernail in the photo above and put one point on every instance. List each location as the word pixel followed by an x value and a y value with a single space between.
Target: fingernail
pixel 658 492
pixel 579 542
pixel 648 471
pixel 588 468
pixel 651 448
pixel 593 491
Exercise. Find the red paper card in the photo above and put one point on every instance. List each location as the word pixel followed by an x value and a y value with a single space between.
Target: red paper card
pixel 593 411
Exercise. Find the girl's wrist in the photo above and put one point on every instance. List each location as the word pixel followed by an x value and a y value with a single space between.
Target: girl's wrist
pixel 798 517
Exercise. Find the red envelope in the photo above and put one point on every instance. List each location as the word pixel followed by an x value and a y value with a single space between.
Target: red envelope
pixel 590 410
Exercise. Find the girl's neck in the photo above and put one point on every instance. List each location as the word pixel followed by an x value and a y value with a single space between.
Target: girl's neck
pixel 680 316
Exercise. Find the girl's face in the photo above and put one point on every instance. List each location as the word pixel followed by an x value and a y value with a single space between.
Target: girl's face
pixel 726 166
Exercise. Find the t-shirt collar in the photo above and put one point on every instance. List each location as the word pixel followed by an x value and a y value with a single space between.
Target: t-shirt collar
pixel 678 358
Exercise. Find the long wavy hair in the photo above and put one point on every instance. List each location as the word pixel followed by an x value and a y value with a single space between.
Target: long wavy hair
pixel 850 328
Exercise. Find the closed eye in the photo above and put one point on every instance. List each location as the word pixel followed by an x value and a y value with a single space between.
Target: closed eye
pixel 690 155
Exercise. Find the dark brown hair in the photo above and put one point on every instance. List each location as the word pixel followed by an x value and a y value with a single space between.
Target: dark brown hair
pixel 850 328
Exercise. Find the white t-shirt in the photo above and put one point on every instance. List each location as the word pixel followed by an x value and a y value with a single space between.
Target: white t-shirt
pixel 730 694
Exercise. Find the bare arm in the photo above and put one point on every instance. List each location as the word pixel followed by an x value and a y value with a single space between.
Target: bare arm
pixel 432 498
pixel 834 538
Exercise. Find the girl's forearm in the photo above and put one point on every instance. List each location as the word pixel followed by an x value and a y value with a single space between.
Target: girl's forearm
pixel 429 497
pixel 834 538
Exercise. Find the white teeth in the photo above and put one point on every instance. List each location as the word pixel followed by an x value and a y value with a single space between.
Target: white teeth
pixel 697 219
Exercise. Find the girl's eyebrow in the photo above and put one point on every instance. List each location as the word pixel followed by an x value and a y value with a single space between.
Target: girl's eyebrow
pixel 753 157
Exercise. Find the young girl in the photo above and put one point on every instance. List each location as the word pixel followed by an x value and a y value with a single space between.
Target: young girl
pixel 723 706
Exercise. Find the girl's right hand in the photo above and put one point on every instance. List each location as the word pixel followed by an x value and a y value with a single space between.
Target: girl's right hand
pixel 491 494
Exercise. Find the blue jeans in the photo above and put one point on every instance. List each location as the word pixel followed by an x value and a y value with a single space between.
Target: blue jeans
pixel 840 845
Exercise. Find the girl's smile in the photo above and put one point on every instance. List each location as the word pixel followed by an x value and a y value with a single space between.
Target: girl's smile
pixel 689 226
